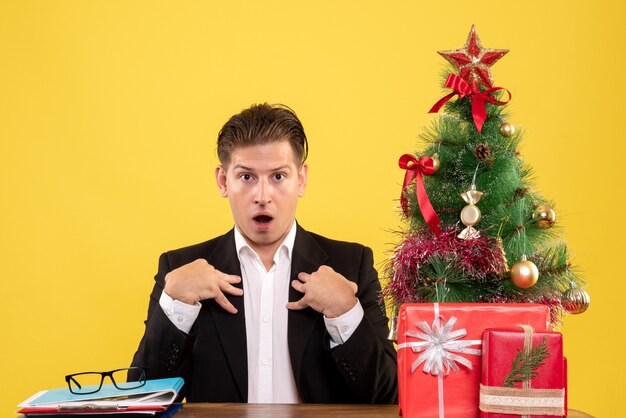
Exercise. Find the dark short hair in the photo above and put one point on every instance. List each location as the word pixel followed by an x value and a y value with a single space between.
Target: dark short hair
pixel 262 124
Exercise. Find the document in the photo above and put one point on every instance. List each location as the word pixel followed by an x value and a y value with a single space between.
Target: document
pixel 155 396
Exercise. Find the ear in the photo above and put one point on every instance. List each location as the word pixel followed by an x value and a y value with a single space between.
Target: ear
pixel 220 178
pixel 302 176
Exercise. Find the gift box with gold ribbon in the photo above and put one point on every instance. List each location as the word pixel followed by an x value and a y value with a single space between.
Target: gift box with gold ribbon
pixel 523 374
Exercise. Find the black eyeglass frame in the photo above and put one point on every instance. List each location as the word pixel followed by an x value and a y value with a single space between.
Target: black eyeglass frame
pixel 140 382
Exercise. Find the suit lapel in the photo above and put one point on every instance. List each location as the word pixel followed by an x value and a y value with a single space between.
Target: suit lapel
pixel 307 256
pixel 231 328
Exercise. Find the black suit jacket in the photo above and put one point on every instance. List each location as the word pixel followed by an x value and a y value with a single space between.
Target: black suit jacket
pixel 212 358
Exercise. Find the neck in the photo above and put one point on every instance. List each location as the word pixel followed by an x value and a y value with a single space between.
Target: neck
pixel 266 253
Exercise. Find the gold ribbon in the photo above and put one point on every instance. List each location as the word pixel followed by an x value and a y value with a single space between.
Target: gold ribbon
pixel 525 401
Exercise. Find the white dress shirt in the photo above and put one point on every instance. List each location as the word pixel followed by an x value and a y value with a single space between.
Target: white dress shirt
pixel 270 377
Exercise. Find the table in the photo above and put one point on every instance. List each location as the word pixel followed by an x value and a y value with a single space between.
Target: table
pixel 238 410
pixel 242 410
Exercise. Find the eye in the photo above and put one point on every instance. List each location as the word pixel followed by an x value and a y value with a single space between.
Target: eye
pixel 246 177
pixel 279 176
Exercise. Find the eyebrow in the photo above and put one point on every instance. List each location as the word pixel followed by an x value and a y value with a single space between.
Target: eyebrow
pixel 279 168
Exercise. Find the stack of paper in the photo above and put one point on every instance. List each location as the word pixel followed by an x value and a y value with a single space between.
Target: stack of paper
pixel 156 396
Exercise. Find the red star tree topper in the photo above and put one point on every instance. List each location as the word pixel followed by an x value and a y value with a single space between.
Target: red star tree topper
pixel 473 61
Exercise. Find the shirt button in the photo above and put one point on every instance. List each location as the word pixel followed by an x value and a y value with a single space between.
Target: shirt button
pixel 266 319
pixel 265 362
pixel 344 329
pixel 179 319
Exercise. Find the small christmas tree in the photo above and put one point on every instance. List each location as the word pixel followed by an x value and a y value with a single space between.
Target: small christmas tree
pixel 471 208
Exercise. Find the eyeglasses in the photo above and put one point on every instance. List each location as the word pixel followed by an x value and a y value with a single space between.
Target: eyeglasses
pixel 91 382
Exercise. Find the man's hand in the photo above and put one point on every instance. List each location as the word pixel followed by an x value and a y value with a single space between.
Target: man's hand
pixel 326 291
pixel 198 281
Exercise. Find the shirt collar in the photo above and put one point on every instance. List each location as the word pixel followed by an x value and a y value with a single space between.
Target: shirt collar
pixel 287 244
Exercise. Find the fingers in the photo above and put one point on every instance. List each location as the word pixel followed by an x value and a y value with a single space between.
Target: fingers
pixel 198 280
pixel 300 304
pixel 230 278
pixel 297 305
pixel 230 289
pixel 326 268
pixel 299 286
pixel 225 282
pixel 325 291
pixel 225 303
pixel 324 271
pixel 225 286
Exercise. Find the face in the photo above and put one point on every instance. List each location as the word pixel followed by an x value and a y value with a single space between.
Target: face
pixel 263 184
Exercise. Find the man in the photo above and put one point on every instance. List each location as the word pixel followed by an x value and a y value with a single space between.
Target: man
pixel 269 312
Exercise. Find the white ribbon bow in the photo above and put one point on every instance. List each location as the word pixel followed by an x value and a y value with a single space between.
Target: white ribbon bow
pixel 439 345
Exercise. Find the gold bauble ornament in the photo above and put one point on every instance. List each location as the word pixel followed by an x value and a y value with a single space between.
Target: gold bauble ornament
pixel 575 300
pixel 507 130
pixel 524 273
pixel 545 216
pixel 436 162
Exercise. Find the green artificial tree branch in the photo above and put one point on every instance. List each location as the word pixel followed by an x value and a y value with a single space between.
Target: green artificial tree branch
pixel 525 364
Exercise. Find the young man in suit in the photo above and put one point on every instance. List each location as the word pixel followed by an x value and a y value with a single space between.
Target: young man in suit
pixel 269 312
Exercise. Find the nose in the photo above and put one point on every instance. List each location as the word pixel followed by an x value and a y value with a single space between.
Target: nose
pixel 262 195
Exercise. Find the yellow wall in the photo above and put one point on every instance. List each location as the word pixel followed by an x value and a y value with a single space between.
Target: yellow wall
pixel 109 112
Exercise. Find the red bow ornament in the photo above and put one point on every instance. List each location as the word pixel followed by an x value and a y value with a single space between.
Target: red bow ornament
pixel 478 98
pixel 414 170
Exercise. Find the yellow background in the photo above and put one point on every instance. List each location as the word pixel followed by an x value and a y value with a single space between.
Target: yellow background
pixel 109 112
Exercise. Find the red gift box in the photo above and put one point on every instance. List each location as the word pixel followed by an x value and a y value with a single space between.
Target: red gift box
pixel 542 396
pixel 439 362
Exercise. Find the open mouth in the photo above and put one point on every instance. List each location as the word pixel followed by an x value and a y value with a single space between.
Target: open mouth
pixel 263 219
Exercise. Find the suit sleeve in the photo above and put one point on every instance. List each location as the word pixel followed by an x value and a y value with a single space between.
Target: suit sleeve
pixel 164 349
pixel 367 360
